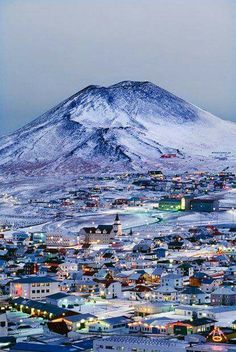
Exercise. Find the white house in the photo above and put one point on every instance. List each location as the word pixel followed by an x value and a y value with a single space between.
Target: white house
pixel 66 268
pixel 61 240
pixel 172 280
pixel 111 289
pixel 210 284
pixel 34 287
pixel 166 293
pixel 185 269
pixel 110 325
pixel 3 324
pixel 194 295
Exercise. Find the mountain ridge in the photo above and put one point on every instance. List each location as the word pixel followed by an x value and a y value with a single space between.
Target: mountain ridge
pixel 128 125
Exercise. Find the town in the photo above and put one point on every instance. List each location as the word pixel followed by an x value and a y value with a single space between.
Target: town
pixel 117 176
pixel 122 262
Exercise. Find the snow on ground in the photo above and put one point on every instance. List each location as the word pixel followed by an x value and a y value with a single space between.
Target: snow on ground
pixel 16 209
pixel 129 125
pixel 225 319
pixel 107 308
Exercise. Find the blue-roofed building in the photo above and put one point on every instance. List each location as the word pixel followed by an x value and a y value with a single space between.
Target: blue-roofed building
pixel 20 236
pixel 84 345
pixel 36 347
pixel 160 252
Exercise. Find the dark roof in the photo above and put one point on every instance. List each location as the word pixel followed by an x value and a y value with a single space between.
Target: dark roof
pixel 117 320
pixel 58 295
pixel 36 347
pixel 58 327
pixel 7 339
pixel 201 275
pixel 108 255
pixel 49 308
pixel 142 288
pixel 175 244
pixel 192 290
pixel 84 345
pixel 203 200
pixel 108 283
pixel 185 266
pixel 107 228
pixel 207 280
pixel 34 279
pixel 79 317
pixel 89 229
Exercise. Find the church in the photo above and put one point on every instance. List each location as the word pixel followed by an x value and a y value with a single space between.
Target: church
pixel 102 234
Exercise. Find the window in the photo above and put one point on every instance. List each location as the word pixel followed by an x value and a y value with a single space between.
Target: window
pixel 2 324
pixel 33 291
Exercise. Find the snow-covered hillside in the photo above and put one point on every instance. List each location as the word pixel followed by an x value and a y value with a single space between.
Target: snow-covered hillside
pixel 122 127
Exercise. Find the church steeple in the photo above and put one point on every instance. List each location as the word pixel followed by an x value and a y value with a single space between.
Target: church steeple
pixel 117 227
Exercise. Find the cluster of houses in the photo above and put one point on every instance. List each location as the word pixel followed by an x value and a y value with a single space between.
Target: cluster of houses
pixel 111 192
pixel 127 290
pixel 165 290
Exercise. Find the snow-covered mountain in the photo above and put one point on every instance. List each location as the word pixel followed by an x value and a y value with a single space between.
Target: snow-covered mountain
pixel 126 126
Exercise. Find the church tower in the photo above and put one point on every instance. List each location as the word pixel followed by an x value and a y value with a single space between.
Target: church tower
pixel 117 227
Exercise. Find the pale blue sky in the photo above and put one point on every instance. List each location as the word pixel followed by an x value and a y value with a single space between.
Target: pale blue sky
pixel 52 48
